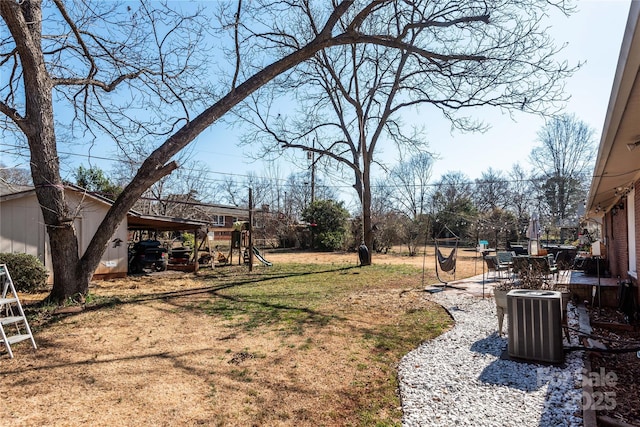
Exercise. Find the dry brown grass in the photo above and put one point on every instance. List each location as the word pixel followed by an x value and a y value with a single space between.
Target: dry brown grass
pixel 230 348
pixel 468 262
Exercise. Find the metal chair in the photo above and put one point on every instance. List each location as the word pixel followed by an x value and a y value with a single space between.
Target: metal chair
pixel 520 267
pixel 553 267
pixel 494 265
pixel 505 261
pixel 541 269
pixel 564 263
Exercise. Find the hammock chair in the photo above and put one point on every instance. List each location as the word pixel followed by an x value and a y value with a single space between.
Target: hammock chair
pixel 446 264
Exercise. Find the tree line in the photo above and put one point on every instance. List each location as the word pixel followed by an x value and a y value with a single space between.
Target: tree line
pixel 409 206
pixel 142 77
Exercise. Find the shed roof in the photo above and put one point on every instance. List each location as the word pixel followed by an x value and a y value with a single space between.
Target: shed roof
pixel 6 188
pixel 135 220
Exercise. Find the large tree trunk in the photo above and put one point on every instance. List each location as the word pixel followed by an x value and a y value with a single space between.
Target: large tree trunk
pixel 63 241
pixel 363 187
pixel 72 273
pixel 366 216
pixel 67 275
pixel 38 125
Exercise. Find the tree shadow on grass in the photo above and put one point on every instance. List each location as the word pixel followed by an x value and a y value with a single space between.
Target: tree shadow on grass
pixel 241 377
pixel 262 312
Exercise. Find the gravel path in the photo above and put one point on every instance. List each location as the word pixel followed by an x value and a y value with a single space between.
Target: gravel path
pixel 458 379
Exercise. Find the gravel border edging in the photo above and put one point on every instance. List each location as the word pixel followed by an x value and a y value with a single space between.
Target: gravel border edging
pixel 459 377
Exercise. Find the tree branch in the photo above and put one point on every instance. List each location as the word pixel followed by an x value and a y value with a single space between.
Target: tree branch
pixel 76 32
pixel 15 116
pixel 324 152
pixel 237 45
pixel 107 87
pixel 392 42
pixel 443 24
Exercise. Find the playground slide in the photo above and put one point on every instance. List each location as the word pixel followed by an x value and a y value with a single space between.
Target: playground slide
pixel 261 258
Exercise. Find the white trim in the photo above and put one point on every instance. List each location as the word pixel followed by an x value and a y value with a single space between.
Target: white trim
pixel 631 233
pixel 215 220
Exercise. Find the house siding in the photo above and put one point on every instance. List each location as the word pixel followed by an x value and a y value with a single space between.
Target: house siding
pixel 222 233
pixel 637 226
pixel 636 208
pixel 618 253
pixel 22 230
pixel 616 232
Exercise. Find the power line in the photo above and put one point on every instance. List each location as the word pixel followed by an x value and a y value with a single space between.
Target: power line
pixel 476 182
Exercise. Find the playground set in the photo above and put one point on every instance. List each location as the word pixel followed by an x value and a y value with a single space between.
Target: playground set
pixel 148 252
pixel 240 245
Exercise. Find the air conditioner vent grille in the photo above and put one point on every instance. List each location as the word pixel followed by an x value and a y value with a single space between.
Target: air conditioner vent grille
pixel 535 325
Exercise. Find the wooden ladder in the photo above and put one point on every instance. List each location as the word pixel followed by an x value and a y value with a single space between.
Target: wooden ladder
pixel 11 314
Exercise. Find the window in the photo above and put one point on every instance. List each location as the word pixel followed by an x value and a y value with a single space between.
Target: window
pixel 217 220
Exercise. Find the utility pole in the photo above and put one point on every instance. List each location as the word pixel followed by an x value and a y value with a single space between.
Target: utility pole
pixel 250 229
pixel 313 171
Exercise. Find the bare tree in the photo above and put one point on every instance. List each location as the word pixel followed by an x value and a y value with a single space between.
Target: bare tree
pixel 14 176
pixel 563 161
pixel 54 56
pixel 232 191
pixel 137 78
pixel 235 191
pixel 520 197
pixel 382 198
pixel 176 194
pixel 410 182
pixel 491 191
pixel 298 190
pixel 385 217
pixel 452 204
pixel 410 192
pixel 351 98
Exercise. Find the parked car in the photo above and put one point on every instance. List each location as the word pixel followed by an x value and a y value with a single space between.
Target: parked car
pixel 147 254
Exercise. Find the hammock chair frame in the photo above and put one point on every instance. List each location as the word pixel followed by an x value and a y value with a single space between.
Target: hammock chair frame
pixel 449 262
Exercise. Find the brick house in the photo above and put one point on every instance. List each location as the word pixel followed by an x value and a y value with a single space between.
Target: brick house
pixel 614 196
pixel 220 219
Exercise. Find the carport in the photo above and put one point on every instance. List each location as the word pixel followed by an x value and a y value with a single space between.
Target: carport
pixel 140 222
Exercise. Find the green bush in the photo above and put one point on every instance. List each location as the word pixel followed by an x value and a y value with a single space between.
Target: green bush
pixel 27 271
pixel 327 220
pixel 330 240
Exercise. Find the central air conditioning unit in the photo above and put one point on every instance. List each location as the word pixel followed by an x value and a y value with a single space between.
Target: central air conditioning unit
pixel 535 325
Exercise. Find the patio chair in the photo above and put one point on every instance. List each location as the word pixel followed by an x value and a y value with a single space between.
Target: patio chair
pixel 505 261
pixel 553 267
pixel 564 263
pixel 542 269
pixel 520 267
pixel 493 265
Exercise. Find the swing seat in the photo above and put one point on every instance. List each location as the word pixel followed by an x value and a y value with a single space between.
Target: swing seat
pixel 446 264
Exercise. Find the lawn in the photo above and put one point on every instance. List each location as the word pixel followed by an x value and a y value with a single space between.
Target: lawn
pixel 298 343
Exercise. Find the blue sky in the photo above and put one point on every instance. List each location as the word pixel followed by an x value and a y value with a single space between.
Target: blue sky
pixel 593 35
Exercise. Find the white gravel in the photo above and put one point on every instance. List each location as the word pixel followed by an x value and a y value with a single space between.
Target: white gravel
pixel 458 379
